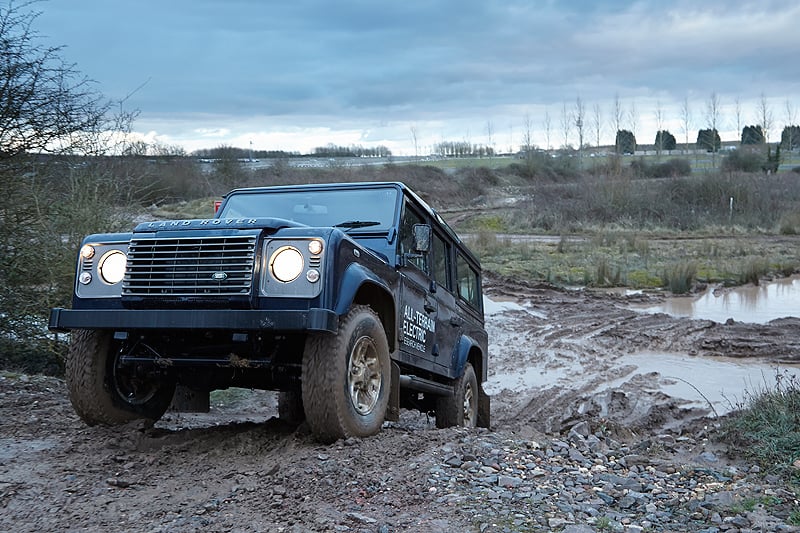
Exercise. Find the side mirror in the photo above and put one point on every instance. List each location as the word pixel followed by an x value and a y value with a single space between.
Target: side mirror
pixel 422 238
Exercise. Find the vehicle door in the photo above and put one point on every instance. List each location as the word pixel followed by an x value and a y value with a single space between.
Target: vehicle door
pixel 418 307
pixel 449 321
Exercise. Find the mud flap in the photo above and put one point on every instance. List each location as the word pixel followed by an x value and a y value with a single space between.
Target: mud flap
pixel 188 400
pixel 393 409
pixel 484 409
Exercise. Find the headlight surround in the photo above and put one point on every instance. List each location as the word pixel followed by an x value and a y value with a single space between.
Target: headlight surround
pixel 286 264
pixel 111 267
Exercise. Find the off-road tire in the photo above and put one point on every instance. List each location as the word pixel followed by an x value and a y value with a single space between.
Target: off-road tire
pixel 92 391
pixel 341 397
pixel 460 409
pixel 290 407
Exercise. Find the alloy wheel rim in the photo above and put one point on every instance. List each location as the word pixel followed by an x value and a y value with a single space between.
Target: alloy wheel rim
pixel 364 376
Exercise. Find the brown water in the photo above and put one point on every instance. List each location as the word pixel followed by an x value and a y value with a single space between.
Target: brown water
pixel 720 382
pixel 753 304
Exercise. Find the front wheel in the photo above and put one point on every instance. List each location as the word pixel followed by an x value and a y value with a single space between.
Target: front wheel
pixel 105 391
pixel 346 378
pixel 460 409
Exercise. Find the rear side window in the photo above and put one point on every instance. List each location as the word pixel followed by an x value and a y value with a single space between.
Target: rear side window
pixel 468 289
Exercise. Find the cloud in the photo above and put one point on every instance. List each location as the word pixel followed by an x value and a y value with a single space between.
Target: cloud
pixel 371 71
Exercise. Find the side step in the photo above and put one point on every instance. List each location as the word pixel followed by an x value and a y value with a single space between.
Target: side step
pixel 426 385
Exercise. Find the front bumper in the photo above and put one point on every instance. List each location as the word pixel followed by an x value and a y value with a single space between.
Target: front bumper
pixel 238 320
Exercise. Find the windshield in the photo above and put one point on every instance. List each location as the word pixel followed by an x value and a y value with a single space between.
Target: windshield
pixel 372 209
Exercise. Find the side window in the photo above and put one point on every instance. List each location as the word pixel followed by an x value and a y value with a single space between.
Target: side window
pixel 406 240
pixel 468 283
pixel 441 262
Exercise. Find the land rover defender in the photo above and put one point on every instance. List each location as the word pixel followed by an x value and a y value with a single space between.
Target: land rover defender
pixel 353 300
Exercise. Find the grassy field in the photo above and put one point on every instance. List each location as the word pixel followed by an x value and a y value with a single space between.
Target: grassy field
pixel 699 161
pixel 640 261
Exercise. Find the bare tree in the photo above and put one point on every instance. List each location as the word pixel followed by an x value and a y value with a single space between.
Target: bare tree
pixel 597 123
pixel 791 118
pixel 548 128
pixel 566 124
pixel 46 103
pixel 579 116
pixel 686 122
pixel 737 110
pixel 712 121
pixel 659 128
pixel 527 135
pixel 633 118
pixel 490 137
pixel 764 116
pixel 46 107
pixel 616 118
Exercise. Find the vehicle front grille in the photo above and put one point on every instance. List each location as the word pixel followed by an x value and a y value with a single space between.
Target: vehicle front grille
pixel 190 266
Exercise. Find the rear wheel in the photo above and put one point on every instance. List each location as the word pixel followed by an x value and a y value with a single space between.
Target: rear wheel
pixel 460 409
pixel 347 377
pixel 103 390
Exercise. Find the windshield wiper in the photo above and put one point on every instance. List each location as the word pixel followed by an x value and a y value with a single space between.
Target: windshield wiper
pixel 356 224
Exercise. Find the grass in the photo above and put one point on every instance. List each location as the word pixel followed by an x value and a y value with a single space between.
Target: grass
pixel 635 260
pixel 766 426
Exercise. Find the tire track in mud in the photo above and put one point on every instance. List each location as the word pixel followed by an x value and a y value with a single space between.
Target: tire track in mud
pixel 581 339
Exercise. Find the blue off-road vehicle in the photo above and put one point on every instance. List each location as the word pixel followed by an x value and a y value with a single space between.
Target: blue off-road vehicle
pixel 353 300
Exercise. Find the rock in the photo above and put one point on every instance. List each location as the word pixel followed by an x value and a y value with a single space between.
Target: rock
pixel 361 518
pixel 581 428
pixel 578 528
pixel 508 482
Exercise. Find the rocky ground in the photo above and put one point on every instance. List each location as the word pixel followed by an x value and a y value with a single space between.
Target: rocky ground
pixel 581 442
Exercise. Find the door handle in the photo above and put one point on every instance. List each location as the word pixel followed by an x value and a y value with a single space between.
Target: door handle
pixel 429 308
pixel 456 322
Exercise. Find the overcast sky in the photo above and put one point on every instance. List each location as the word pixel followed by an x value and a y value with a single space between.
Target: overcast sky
pixel 292 75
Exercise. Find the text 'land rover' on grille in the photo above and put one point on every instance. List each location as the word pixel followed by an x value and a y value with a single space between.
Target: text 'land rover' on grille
pixel 352 300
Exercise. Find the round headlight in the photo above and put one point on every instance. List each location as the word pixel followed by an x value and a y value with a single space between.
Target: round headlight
pixel 286 264
pixel 112 267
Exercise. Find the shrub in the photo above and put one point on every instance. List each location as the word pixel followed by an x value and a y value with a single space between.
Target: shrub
pixel 32 357
pixel 672 168
pixel 743 161
pixel 680 277
pixel 753 271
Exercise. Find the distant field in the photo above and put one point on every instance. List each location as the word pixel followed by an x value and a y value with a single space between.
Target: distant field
pixel 700 161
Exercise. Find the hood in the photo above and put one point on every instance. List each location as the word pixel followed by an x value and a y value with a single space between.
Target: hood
pixel 273 224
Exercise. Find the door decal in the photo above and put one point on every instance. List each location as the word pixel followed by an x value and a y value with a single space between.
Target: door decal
pixel 415 328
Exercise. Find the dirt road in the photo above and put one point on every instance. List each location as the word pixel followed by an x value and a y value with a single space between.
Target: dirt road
pixel 575 424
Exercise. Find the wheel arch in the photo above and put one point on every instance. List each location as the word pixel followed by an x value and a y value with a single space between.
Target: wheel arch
pixel 362 287
pixel 469 351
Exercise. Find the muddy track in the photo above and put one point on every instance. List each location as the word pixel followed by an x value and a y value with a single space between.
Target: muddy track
pixel 557 361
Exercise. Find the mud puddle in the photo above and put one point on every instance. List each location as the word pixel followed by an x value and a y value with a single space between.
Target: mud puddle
pixel 751 304
pixel 721 382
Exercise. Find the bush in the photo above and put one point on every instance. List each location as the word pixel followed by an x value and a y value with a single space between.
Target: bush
pixel 673 168
pixel 32 357
pixel 680 277
pixel 743 161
